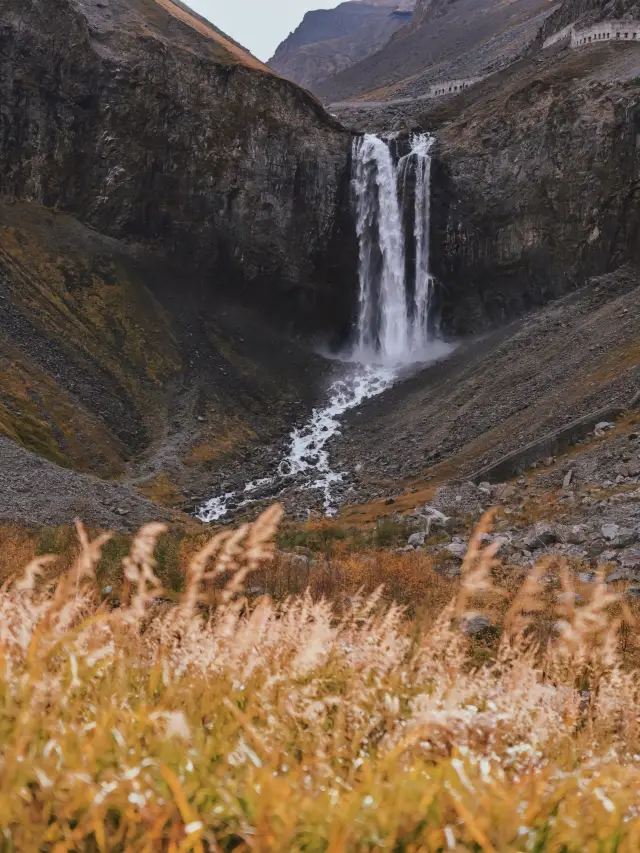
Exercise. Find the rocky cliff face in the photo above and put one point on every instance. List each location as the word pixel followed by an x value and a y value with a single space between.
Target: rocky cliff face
pixel 330 40
pixel 537 187
pixel 150 126
pixel 585 12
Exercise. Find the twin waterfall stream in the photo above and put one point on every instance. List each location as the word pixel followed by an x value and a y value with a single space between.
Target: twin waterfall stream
pixel 395 326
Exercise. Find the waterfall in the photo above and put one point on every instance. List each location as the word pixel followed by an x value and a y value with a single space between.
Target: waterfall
pixel 396 286
pixel 395 320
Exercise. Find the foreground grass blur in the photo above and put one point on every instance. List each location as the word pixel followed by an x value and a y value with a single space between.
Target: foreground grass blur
pixel 218 723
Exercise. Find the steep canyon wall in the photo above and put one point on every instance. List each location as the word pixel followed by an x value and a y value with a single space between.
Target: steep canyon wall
pixel 537 188
pixel 149 129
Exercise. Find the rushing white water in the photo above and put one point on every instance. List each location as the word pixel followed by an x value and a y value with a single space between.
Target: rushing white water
pixel 423 291
pixel 395 320
pixel 306 461
pixel 382 319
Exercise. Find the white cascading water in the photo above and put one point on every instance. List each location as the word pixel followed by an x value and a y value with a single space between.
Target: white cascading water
pixel 395 314
pixel 423 293
pixel 382 318
pixel 394 319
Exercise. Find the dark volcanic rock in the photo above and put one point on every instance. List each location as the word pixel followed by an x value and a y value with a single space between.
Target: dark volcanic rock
pixel 145 123
pixel 536 187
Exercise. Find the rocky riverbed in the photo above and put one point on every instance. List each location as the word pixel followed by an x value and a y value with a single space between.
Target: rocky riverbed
pixel 584 506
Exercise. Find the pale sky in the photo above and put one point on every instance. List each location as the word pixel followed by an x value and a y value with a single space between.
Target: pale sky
pixel 259 25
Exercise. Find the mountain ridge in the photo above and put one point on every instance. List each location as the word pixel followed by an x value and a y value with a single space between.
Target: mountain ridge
pixel 329 40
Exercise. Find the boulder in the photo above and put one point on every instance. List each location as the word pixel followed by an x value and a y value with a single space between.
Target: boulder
pixel 622 575
pixel 457 550
pixel 609 531
pixel 595 547
pixel 417 540
pixel 618 537
pixel 541 535
pixel 474 623
pixel 630 559
pixel 504 492
pixel 295 561
pixel 437 519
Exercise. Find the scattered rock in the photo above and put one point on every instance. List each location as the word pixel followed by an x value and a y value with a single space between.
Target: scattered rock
pixel 295 561
pixel 506 548
pixel 567 479
pixel 459 499
pixel 541 535
pixel 587 577
pixel 630 559
pixel 603 427
pixel 474 623
pixel 609 531
pixel 504 492
pixel 575 535
pixel 457 549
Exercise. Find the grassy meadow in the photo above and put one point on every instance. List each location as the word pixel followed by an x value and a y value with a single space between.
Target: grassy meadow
pixel 330 719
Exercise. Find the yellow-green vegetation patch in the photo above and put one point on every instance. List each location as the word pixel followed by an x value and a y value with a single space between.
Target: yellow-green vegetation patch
pixel 220 437
pixel 94 305
pixel 102 322
pixel 20 544
pixel 163 491
pixel 40 415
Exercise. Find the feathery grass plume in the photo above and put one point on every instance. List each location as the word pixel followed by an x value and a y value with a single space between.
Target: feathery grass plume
pixel 139 569
pixel 33 571
pixel 311 724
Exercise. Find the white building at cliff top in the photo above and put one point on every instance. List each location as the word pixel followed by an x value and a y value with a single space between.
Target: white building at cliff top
pixel 606 31
pixel 612 31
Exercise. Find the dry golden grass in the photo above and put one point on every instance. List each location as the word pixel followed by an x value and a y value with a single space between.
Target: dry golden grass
pixel 219 724
pixel 163 491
